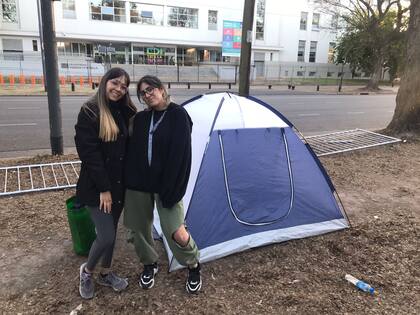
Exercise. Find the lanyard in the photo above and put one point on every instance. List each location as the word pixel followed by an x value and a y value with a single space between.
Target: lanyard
pixel 152 129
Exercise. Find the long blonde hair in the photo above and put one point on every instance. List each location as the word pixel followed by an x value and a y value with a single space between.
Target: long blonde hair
pixel 108 129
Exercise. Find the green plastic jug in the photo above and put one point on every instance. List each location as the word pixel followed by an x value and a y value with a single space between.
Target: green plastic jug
pixel 81 227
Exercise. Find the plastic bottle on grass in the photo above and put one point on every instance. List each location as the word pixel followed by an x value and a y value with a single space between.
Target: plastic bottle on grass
pixel 360 284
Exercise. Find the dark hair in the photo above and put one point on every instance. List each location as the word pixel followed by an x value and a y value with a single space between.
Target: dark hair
pixel 155 82
pixel 108 129
pixel 115 73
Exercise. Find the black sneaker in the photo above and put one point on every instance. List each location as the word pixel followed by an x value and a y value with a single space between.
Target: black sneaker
pixel 193 284
pixel 147 277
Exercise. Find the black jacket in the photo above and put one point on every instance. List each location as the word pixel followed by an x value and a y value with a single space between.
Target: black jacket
pixel 171 159
pixel 102 162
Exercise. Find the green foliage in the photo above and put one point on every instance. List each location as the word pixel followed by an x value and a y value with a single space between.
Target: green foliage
pixel 369 39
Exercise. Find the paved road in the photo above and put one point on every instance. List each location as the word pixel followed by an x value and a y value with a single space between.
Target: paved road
pixel 24 122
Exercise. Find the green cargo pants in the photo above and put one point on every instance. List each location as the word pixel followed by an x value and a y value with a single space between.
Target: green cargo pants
pixel 138 217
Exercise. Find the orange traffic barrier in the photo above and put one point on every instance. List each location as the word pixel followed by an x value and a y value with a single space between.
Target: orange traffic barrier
pixel 12 79
pixel 90 81
pixel 42 80
pixel 33 81
pixel 1 79
pixel 82 81
pixel 72 80
pixel 63 80
pixel 22 79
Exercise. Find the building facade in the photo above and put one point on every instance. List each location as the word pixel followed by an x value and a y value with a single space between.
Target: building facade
pixel 169 32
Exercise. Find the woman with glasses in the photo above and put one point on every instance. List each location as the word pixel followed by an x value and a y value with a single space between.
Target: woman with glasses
pixel 101 138
pixel 157 171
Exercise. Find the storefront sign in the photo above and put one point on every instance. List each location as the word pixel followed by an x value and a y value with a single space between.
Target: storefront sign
pixel 231 44
pixel 155 55
pixel 155 51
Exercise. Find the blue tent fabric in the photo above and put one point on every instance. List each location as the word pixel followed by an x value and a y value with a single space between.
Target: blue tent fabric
pixel 254 168
pixel 209 217
pixel 254 181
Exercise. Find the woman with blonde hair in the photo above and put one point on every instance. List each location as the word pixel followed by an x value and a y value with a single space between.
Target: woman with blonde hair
pixel 101 138
pixel 157 171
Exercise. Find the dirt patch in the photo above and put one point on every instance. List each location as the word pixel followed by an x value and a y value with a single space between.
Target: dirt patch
pixel 378 187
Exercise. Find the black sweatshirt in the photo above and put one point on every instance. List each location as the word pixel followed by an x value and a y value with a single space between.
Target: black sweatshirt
pixel 102 162
pixel 170 166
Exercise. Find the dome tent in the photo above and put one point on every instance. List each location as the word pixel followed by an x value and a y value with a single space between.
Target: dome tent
pixel 254 181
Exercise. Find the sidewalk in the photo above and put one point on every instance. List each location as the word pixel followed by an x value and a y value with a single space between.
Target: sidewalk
pixel 28 90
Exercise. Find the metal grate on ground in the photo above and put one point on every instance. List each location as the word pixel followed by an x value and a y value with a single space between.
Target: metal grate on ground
pixel 38 177
pixel 349 140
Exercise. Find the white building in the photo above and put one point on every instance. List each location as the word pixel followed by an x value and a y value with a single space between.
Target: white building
pixel 169 32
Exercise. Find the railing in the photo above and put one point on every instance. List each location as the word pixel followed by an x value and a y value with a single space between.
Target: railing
pixel 261 71
pixel 38 177
pixel 51 176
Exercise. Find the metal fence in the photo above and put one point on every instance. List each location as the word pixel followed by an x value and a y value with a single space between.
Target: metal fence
pixel 38 177
pixel 261 71
pixel 51 176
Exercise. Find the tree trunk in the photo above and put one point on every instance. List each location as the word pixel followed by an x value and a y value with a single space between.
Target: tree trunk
pixel 406 120
pixel 373 84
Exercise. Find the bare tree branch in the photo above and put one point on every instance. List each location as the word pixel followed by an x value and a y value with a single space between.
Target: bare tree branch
pixel 379 6
pixel 390 4
pixel 368 7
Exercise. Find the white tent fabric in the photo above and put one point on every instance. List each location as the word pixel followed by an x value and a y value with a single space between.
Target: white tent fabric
pixel 216 116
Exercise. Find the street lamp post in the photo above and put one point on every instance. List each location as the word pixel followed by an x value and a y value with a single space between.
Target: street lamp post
pixel 51 75
pixel 342 67
pixel 41 41
pixel 244 66
pixel 341 77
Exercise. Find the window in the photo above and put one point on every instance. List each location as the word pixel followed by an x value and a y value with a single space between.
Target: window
pixel 12 49
pixel 74 49
pixel 69 9
pixel 143 13
pixel 315 21
pixel 312 52
pixel 312 73
pixel 209 55
pixel 212 20
pixel 259 32
pixel 183 17
pixel 107 10
pixel 301 51
pixel 34 45
pixel 303 20
pixel 331 50
pixel 9 11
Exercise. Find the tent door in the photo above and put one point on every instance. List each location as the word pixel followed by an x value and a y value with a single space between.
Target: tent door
pixel 257 174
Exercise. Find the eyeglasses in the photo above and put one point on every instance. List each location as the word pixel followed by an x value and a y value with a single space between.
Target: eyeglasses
pixel 149 90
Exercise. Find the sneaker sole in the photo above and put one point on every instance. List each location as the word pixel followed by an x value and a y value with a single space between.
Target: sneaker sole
pixel 146 286
pixel 191 291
